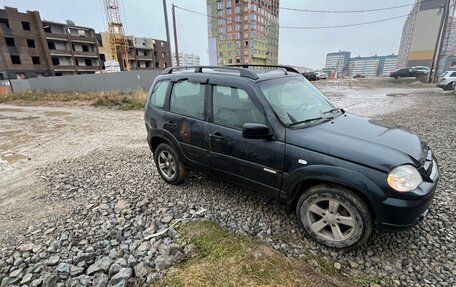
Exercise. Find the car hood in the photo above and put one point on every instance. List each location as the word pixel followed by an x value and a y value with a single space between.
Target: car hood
pixel 369 142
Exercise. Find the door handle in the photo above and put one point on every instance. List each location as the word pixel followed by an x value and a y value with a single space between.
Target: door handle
pixel 171 123
pixel 216 136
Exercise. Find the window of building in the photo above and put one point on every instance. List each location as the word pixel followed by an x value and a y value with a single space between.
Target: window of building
pixel 15 59
pixel 187 98
pixel 10 42
pixel 238 27
pixel 35 60
pixel 165 65
pixel 232 107
pixel 88 62
pixel 85 48
pixel 237 9
pixel 51 45
pixel 55 61
pixel 159 94
pixel 31 43
pixel 26 25
pixel 163 54
pixel 47 28
pixel 4 23
pixel 238 61
pixel 162 44
pixel 103 57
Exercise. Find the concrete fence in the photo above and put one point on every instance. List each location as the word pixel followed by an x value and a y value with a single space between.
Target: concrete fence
pixel 120 81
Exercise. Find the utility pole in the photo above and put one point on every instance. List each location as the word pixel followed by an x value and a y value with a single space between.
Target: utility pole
pixel 439 43
pixel 176 48
pixel 167 31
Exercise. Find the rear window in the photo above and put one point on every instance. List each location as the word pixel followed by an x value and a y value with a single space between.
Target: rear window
pixel 159 94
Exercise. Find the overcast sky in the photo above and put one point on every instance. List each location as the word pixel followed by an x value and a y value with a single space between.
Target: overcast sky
pixel 144 18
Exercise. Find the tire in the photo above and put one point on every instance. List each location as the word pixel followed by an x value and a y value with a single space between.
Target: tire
pixel 334 216
pixel 169 165
pixel 448 87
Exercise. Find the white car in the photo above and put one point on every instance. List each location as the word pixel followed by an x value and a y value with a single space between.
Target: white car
pixel 447 80
pixel 321 75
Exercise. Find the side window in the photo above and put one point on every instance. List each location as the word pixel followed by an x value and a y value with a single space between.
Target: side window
pixel 232 107
pixel 159 94
pixel 187 98
pixel 453 74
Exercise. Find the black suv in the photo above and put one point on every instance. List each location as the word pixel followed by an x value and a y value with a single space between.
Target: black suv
pixel 408 72
pixel 272 131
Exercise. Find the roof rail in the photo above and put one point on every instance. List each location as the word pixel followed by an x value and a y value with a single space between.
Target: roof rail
pixel 286 68
pixel 199 69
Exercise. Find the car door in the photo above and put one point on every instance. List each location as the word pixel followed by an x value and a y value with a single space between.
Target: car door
pixel 255 163
pixel 186 120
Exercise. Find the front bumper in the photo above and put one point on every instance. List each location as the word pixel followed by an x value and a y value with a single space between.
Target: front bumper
pixel 400 214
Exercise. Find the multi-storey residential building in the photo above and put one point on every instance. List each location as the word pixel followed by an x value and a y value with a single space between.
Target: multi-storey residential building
pixel 22 50
pixel 339 61
pixel 366 66
pixel 372 66
pixel 186 59
pixel 144 53
pixel 387 65
pixel 419 34
pixel 30 47
pixel 242 31
pixel 73 49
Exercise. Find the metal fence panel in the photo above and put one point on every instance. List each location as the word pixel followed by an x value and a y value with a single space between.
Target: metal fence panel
pixel 120 81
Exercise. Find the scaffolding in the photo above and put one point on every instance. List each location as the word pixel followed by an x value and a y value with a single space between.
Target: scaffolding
pixel 117 37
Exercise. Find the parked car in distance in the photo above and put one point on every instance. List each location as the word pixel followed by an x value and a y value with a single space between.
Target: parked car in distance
pixel 311 76
pixel 358 76
pixel 276 133
pixel 323 76
pixel 447 81
pixel 422 69
pixel 407 72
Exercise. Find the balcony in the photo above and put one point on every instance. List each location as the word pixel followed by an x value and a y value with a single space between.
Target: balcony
pixel 65 53
pixel 82 39
pixel 55 36
pixel 82 54
pixel 64 68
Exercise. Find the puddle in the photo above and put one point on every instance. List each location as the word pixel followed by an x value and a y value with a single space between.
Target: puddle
pixel 56 114
pixel 11 157
pixel 11 110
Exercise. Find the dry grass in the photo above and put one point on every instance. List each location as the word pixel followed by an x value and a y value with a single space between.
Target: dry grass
pixel 226 259
pixel 120 100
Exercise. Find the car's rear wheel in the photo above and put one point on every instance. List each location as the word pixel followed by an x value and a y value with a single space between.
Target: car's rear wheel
pixel 169 165
pixel 334 216
pixel 450 86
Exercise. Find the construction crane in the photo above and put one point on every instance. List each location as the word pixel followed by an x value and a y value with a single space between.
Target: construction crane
pixel 117 37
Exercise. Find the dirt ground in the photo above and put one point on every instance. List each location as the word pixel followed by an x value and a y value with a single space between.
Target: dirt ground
pixel 33 136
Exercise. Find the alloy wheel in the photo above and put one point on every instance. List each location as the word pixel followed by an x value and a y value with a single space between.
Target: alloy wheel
pixel 167 164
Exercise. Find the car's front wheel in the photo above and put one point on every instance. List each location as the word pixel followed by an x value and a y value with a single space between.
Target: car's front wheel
pixel 334 216
pixel 169 165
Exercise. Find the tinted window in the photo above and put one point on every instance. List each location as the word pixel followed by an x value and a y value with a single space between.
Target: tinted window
pixel 159 94
pixel 188 99
pixel 233 108
pixel 453 74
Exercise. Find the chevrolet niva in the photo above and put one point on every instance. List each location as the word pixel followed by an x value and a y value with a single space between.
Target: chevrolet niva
pixel 269 129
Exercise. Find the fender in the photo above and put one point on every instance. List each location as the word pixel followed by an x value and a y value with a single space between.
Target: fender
pixel 338 175
pixel 166 136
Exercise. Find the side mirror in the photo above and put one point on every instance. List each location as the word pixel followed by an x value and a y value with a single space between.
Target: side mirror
pixel 256 131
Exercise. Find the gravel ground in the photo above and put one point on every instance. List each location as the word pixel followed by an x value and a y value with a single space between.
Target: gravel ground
pixel 121 201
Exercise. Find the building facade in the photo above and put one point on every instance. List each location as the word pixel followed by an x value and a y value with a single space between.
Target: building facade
pixel 243 31
pixel 23 53
pixel 338 61
pixel 373 66
pixel 31 47
pixel 72 49
pixel 187 59
pixel 419 34
pixel 144 53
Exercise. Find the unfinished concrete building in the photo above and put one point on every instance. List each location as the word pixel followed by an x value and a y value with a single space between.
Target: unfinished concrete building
pixel 144 53
pixel 31 47
pixel 23 53
pixel 73 49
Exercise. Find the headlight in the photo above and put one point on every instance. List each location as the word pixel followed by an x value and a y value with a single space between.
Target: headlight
pixel 404 178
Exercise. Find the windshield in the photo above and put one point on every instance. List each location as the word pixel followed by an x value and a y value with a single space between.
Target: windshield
pixel 295 99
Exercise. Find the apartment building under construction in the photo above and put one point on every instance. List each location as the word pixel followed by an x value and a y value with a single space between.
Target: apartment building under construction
pixel 242 31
